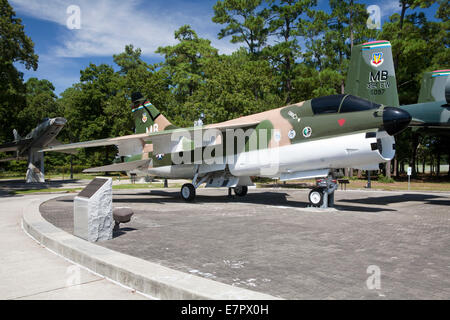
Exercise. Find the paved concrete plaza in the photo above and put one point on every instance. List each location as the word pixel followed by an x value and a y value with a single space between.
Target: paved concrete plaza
pixel 30 271
pixel 271 242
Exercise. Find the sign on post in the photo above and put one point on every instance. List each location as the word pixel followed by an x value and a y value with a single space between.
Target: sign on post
pixel 409 177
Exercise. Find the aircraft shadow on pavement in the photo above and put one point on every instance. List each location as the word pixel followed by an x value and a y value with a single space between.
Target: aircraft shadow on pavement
pixel 264 198
pixel 426 198
pixel 341 207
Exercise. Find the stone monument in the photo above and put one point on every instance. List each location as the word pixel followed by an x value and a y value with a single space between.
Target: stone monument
pixel 92 212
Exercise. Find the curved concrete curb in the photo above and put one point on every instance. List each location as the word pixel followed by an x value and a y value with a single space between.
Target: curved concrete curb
pixel 143 276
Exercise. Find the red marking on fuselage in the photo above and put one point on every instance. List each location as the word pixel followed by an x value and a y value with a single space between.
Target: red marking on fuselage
pixel 341 122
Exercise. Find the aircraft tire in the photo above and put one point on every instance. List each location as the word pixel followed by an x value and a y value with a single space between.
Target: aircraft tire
pixel 316 197
pixel 188 192
pixel 241 191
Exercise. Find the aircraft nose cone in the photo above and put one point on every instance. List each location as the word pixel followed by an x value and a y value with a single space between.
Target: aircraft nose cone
pixel 395 120
pixel 59 121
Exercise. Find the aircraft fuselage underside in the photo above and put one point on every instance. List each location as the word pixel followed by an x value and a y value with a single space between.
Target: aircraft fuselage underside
pixel 362 151
pixel 311 159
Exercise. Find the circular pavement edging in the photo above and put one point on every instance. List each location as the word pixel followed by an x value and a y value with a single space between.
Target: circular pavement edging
pixel 144 276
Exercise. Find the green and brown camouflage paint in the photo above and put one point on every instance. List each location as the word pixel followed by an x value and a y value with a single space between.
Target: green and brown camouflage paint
pixel 295 123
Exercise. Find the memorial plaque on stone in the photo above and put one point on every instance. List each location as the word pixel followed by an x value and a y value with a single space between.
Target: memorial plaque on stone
pixel 92 214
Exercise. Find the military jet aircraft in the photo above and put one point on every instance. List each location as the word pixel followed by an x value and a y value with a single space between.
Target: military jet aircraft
pixel 373 76
pixel 305 140
pixel 27 148
pixel 432 110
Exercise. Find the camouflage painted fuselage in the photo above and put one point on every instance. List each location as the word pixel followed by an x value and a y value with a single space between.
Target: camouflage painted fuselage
pixel 323 133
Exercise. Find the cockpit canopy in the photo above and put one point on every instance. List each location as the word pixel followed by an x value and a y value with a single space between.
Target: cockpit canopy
pixel 341 103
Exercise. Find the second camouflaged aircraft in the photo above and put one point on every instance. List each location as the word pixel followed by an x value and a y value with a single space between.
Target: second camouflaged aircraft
pixel 309 139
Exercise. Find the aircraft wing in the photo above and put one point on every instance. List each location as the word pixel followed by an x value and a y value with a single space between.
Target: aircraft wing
pixel 14 146
pixel 127 144
pixel 57 143
pixel 180 140
pixel 167 141
pixel 124 166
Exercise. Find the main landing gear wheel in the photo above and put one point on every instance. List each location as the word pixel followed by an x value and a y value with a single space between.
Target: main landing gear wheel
pixel 240 191
pixel 188 192
pixel 316 197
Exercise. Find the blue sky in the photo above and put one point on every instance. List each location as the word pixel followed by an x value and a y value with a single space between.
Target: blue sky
pixel 108 25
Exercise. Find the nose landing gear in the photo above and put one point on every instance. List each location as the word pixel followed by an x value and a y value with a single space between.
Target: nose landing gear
pixel 322 195
pixel 316 197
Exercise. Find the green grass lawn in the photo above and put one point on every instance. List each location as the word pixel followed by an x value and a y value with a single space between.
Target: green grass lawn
pixel 416 185
pixel 423 183
pixel 52 176
pixel 155 185
pixel 48 190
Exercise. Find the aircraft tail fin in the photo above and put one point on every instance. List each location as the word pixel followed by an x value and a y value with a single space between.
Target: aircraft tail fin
pixel 17 136
pixel 147 117
pixel 433 107
pixel 435 86
pixel 371 73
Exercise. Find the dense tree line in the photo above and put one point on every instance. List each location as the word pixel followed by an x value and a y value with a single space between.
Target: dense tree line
pixel 290 51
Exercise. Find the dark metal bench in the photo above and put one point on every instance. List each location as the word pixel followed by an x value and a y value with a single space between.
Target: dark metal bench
pixel 121 215
pixel 343 183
